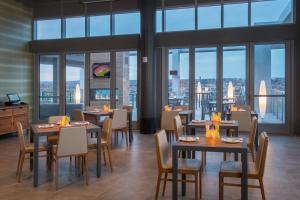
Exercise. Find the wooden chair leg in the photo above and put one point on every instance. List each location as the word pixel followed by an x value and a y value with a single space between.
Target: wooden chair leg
pixel 21 166
pixel 86 169
pixel 221 186
pixel 252 154
pixel 262 189
pixel 196 186
pixel 18 167
pixel 157 185
pixel 109 158
pixel 104 158
pixel 56 173
pixel 164 186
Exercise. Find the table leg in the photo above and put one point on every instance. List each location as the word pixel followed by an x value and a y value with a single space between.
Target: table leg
pixel 244 181
pixel 98 153
pixel 31 154
pixel 130 128
pixel 236 134
pixel 174 174
pixel 36 161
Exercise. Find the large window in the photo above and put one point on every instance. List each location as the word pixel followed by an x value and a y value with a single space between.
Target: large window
pixel 271 12
pixel 235 15
pixel 205 82
pixel 178 77
pixel 99 25
pixel 269 82
pixel 234 76
pixel 49 86
pixel 158 21
pixel 74 82
pixel 127 23
pixel 75 27
pixel 209 17
pixel 180 19
pixel 48 29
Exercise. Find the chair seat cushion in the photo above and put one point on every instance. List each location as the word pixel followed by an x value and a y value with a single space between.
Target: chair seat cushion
pixel 185 166
pixel 234 169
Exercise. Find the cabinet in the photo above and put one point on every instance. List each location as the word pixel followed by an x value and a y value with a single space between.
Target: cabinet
pixel 10 115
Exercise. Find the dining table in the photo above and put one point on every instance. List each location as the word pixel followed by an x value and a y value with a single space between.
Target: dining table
pixel 187 114
pixel 211 145
pixel 94 115
pixel 40 130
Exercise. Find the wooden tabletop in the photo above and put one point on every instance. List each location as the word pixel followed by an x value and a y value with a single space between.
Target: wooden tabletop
pixel 185 112
pixel 37 130
pixel 212 144
pixel 222 124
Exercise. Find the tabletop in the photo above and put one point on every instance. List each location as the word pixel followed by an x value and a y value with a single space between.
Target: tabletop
pixel 222 124
pixel 36 130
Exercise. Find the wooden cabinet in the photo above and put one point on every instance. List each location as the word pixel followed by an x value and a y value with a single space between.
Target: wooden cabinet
pixel 10 115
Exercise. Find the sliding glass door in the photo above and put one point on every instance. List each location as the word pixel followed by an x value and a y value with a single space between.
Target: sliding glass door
pixel 75 76
pixel 178 77
pixel 205 82
pixel 49 87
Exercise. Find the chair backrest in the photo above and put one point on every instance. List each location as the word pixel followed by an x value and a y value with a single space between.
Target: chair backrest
pixel 167 118
pixel 91 108
pixel 244 107
pixel 244 119
pixel 178 127
pixel 253 131
pixel 181 107
pixel 106 130
pixel 78 115
pixel 261 155
pixel 162 148
pixel 21 136
pixel 54 119
pixel 72 141
pixel 127 107
pixel 119 119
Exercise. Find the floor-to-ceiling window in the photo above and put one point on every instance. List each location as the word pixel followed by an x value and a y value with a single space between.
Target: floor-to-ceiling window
pixel 234 76
pixel 75 65
pixel 178 74
pixel 127 80
pixel 49 67
pixel 205 82
pixel 269 82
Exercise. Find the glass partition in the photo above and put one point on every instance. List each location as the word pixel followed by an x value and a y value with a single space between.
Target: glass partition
pixel 178 92
pixel 74 82
pixel 49 86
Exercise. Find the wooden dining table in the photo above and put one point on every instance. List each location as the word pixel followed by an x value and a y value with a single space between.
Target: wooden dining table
pixel 212 145
pixel 37 132
pixel 94 115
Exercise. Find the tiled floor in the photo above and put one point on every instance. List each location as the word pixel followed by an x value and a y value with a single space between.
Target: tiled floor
pixel 135 173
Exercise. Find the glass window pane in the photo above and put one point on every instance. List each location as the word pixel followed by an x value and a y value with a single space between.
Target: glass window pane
pixel 75 27
pixel 158 21
pixel 178 77
pixel 74 82
pixel 209 17
pixel 180 19
pixel 271 12
pixel 234 76
pixel 269 79
pixel 126 81
pixel 48 29
pixel 100 75
pixel 205 82
pixel 100 25
pixel 49 86
pixel 235 15
pixel 127 23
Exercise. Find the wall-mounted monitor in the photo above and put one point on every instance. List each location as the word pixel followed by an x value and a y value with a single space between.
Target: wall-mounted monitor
pixel 101 70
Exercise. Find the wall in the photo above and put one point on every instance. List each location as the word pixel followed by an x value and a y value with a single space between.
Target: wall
pixel 16 63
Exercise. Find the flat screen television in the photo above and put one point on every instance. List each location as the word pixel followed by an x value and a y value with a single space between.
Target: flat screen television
pixel 101 70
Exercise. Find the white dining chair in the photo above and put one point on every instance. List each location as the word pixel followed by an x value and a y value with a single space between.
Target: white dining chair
pixel 119 124
pixel 167 123
pixel 244 120
pixel 72 141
